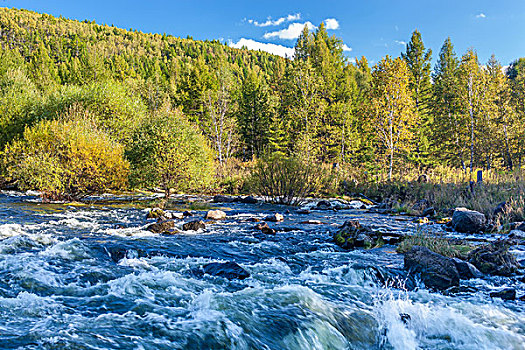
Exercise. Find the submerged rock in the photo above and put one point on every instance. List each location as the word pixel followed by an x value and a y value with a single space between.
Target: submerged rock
pixel 275 217
pixel 194 225
pixel 468 221
pixel 264 228
pixel 215 215
pixel 505 294
pixel 229 270
pixel 494 259
pixel 437 271
pixel 161 226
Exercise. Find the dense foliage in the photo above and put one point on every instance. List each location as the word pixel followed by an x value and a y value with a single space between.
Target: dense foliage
pixel 168 152
pixel 319 106
pixel 66 158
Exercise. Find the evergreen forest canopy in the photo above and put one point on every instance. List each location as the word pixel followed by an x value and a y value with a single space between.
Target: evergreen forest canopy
pixel 187 107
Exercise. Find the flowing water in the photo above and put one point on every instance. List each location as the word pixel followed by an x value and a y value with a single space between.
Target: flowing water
pixel 92 277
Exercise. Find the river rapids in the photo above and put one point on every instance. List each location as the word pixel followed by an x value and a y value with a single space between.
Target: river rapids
pixel 92 277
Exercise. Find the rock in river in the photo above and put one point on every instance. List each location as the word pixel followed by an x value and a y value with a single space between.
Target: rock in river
pixel 494 259
pixel 437 271
pixel 155 213
pixel 352 235
pixel 161 226
pixel 229 270
pixel 275 217
pixel 468 221
pixel 505 294
pixel 216 215
pixel 193 225
pixel 264 228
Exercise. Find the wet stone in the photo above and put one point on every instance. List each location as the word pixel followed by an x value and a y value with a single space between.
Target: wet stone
pixel 194 225
pixel 505 294
pixel 229 270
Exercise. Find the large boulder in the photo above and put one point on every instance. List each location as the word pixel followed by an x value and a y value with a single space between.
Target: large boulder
pixel 436 271
pixel 162 226
pixel 194 225
pixel 229 270
pixel 468 221
pixel 215 215
pixel 494 259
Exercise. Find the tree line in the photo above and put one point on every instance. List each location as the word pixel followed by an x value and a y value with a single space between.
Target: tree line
pixel 320 106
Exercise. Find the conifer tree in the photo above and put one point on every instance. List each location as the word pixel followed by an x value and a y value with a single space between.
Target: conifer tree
pixel 418 62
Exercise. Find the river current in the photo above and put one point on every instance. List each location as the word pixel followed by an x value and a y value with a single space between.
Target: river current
pixel 92 277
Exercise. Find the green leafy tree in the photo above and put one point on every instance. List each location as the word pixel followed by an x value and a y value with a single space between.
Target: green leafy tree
pixel 167 151
pixel 392 106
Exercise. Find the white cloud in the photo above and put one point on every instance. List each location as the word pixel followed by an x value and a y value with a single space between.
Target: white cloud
pixel 401 42
pixel 481 15
pixel 346 48
pixel 331 23
pixel 292 32
pixel 275 49
pixel 269 22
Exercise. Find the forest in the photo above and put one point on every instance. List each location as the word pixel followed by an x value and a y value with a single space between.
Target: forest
pixel 87 108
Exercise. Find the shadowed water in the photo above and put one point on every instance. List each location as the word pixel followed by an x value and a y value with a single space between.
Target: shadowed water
pixel 92 277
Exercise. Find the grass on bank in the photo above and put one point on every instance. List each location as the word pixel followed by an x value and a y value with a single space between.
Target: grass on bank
pixel 435 243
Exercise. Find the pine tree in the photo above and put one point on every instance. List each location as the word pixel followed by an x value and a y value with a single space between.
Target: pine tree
pixel 447 126
pixel 418 62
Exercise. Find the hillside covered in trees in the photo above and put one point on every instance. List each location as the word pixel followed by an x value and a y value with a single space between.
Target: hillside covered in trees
pixel 186 108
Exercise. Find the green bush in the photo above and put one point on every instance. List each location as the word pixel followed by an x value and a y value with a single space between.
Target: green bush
pixel 17 97
pixel 286 180
pixel 167 151
pixel 66 158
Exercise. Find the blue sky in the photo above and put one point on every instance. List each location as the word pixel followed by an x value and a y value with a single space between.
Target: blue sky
pixel 373 28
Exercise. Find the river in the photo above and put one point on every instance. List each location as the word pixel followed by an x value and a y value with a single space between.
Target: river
pixel 92 277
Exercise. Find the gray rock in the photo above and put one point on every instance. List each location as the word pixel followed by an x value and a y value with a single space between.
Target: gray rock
pixel 505 294
pixel 229 270
pixel 223 199
pixel 352 235
pixel 264 228
pixel 466 270
pixel 155 213
pixel 437 271
pixel 162 226
pixel 429 212
pixel 274 217
pixel 194 225
pixel 494 259
pixel 468 221
pixel 215 215
pixel 249 200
